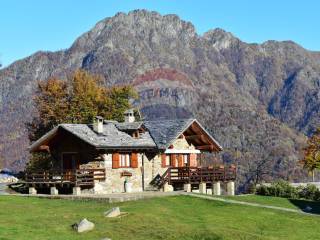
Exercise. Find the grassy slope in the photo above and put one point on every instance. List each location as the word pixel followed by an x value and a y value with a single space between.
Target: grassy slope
pixel 278 202
pixel 179 217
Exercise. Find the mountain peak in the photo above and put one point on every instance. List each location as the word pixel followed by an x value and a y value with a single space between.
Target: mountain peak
pixel 136 24
pixel 219 38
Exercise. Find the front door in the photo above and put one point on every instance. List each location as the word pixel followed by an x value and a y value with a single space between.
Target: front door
pixel 70 162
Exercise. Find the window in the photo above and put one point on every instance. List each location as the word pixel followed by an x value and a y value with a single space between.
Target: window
pixel 186 159
pixel 125 160
pixel 167 160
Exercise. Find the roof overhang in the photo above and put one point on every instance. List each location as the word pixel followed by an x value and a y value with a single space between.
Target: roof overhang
pixel 196 134
pixel 42 144
pixel 43 141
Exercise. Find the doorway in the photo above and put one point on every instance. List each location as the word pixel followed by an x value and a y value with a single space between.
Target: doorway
pixel 70 161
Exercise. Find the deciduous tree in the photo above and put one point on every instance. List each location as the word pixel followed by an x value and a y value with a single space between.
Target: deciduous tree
pixel 78 99
pixel 311 159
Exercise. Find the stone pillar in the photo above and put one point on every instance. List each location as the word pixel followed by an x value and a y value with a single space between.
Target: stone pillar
pixel 76 191
pixel 203 188
pixel 32 190
pixel 230 188
pixel 167 187
pixel 216 190
pixel 187 187
pixel 54 191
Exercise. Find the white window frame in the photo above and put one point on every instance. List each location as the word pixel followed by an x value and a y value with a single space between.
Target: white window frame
pixel 124 160
pixel 186 159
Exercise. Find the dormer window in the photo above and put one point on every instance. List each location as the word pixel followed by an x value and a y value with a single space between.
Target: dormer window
pixel 135 134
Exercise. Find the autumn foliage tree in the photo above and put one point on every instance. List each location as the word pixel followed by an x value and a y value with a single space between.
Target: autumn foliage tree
pixel 78 99
pixel 311 160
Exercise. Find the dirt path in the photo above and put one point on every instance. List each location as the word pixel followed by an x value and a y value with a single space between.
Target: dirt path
pixel 248 203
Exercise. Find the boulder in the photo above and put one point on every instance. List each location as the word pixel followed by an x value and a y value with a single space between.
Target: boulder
pixel 307 209
pixel 113 212
pixel 83 226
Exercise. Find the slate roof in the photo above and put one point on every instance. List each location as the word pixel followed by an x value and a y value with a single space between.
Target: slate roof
pixel 110 138
pixel 164 132
pixel 160 134
pixel 127 126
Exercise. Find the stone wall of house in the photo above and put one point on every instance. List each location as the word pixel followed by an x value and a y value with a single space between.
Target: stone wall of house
pixel 149 163
pixel 181 143
pixel 114 182
pixel 152 168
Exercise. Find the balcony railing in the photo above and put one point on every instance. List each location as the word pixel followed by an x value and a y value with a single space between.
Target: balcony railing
pixel 195 175
pixel 79 177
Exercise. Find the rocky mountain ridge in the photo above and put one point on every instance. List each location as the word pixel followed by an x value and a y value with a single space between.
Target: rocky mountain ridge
pixel 258 100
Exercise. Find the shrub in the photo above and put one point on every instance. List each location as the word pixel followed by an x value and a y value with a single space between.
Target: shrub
pixel 251 188
pixel 284 189
pixel 310 192
pixel 263 190
pixel 317 196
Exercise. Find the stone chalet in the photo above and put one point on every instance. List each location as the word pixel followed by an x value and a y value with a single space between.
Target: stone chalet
pixel 113 157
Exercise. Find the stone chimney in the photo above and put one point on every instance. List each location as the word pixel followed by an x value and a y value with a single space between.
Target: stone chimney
pixel 129 116
pixel 98 125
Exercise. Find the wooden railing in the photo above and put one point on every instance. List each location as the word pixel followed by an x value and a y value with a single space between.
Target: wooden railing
pixel 198 174
pixel 79 177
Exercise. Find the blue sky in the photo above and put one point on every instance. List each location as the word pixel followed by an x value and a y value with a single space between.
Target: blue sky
pixel 30 26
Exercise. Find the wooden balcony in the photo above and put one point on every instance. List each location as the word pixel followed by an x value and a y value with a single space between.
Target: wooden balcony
pixel 76 178
pixel 196 175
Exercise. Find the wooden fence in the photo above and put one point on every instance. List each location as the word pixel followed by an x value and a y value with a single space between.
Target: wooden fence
pixel 195 175
pixel 79 177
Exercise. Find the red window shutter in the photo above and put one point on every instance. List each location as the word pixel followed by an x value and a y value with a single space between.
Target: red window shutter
pixel 173 160
pixel 134 160
pixel 163 160
pixel 115 160
pixel 180 160
pixel 193 160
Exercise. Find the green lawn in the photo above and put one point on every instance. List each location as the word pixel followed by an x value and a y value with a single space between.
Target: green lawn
pixel 278 202
pixel 178 217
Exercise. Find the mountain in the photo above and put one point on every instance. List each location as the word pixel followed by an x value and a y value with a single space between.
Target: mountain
pixel 259 100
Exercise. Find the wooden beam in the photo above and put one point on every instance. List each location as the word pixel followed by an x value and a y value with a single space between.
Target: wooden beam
pixel 192 137
pixel 205 147
pixel 44 148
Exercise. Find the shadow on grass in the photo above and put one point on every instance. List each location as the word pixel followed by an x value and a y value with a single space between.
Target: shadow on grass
pixel 307 206
pixel 203 236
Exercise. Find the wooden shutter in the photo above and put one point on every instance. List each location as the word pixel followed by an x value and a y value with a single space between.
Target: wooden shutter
pixel 163 160
pixel 134 160
pixel 173 160
pixel 180 160
pixel 193 160
pixel 115 160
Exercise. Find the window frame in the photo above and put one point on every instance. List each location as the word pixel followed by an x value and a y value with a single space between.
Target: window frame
pixel 127 160
pixel 168 160
pixel 186 156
